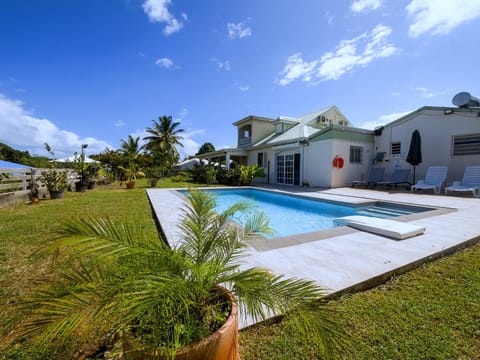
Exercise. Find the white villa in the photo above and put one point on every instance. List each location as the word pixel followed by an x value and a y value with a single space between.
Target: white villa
pixel 323 149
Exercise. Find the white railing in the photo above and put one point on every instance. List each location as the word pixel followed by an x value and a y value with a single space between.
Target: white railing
pixel 13 180
pixel 244 141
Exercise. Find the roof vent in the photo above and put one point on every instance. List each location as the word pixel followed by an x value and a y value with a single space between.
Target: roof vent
pixel 465 100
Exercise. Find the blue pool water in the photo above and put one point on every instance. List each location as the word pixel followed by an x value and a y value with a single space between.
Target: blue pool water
pixel 291 215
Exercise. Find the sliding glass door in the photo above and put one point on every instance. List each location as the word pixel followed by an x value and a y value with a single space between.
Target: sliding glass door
pixel 288 169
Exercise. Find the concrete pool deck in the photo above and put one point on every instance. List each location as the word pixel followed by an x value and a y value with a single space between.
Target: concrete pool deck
pixel 346 260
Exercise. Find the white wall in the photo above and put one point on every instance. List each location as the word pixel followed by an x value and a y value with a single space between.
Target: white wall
pixel 319 170
pixel 436 130
pixel 350 172
pixel 317 164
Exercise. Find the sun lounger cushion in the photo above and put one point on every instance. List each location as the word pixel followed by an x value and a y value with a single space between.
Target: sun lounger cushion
pixel 385 227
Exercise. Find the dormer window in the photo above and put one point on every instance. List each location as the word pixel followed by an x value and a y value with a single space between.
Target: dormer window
pixel 279 128
pixel 246 133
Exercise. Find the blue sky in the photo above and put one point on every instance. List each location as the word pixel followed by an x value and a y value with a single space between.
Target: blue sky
pixel 91 71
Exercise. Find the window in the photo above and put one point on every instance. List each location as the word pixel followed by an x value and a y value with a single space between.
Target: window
pixel 246 133
pixel 466 144
pixel 356 154
pixel 278 128
pixel 260 159
pixel 396 148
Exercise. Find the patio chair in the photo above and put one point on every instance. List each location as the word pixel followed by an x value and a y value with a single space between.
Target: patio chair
pixel 399 177
pixel 376 174
pixel 434 179
pixel 470 182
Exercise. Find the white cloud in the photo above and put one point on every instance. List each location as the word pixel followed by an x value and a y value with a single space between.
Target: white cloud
pixel 244 88
pixel 440 16
pixel 119 123
pixel 365 5
pixel 223 65
pixel 183 113
pixel 428 94
pixel 329 16
pixel 297 68
pixel 157 11
pixel 239 30
pixel 349 54
pixel 190 146
pixel 382 120
pixel 21 130
pixel 164 62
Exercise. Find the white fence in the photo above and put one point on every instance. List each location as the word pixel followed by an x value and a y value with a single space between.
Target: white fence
pixel 16 183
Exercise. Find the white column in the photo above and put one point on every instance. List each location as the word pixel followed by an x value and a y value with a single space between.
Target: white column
pixel 227 160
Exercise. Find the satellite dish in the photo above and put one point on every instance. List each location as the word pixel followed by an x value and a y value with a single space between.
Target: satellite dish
pixel 465 100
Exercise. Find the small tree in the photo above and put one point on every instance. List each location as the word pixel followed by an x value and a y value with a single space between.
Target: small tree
pixel 205 148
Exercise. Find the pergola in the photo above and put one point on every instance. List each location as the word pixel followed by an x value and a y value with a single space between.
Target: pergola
pixel 239 156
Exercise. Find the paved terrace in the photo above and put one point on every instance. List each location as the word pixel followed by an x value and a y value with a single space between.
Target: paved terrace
pixel 343 260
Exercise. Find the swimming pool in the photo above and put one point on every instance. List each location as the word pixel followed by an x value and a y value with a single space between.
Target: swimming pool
pixel 290 214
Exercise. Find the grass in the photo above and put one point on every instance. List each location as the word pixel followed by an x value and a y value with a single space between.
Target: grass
pixel 429 313
pixel 432 312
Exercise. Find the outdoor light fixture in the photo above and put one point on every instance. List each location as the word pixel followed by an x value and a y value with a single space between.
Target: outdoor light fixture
pixel 82 159
pixel 448 111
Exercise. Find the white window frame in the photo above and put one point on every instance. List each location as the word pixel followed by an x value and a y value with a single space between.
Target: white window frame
pixel 356 154
pixel 466 145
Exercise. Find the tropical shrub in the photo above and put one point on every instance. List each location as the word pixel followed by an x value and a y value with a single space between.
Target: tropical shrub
pixel 248 172
pixel 54 180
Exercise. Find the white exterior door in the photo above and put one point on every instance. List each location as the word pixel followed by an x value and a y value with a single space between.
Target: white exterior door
pixel 288 169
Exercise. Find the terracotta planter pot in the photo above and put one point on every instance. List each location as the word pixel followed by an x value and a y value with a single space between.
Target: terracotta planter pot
pixel 221 345
pixel 130 184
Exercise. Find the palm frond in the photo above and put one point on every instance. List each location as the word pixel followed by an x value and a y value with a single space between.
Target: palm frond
pixel 106 239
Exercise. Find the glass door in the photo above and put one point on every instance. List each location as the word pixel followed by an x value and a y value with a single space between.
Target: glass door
pixel 288 169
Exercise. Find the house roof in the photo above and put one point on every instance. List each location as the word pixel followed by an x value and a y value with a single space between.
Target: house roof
pixel 406 117
pixel 72 159
pixel 253 117
pixel 11 165
pixel 302 130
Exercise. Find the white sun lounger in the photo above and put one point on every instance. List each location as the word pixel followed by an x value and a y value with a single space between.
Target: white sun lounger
pixel 470 182
pixel 434 179
pixel 385 227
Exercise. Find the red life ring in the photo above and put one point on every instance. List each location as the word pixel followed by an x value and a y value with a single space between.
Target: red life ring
pixel 338 162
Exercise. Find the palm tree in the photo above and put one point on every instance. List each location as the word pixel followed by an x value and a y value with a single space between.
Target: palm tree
pixel 130 148
pixel 162 298
pixel 163 139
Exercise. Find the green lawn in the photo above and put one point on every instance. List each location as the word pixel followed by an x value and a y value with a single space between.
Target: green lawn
pixel 430 313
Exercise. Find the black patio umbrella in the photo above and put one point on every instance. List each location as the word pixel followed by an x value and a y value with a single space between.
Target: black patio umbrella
pixel 414 156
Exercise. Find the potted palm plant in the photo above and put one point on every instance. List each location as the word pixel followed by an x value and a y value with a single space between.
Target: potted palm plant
pixel 150 300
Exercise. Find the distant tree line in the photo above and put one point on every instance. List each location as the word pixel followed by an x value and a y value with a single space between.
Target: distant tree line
pixel 154 159
pixel 8 153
